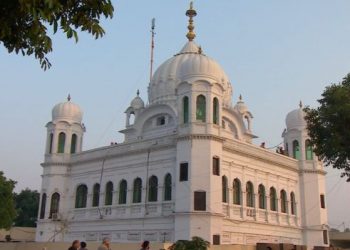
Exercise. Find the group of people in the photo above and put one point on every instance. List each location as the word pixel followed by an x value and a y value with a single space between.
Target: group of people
pixel 77 245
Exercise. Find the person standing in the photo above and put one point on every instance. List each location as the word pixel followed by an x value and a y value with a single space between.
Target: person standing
pixel 105 244
pixel 145 245
pixel 75 245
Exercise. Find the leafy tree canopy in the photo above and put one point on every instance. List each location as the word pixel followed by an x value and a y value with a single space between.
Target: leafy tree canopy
pixel 7 207
pixel 27 205
pixel 328 126
pixel 24 23
pixel 197 243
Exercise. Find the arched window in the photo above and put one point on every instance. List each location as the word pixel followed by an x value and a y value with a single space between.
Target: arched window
pixel 262 197
pixel 50 143
pixel 292 203
pixel 273 199
pixel 137 192
pixel 73 144
pixel 55 203
pixel 185 106
pixel 167 187
pixel 153 188
pixel 123 192
pixel 131 118
pixel 284 205
pixel 296 150
pixel 250 194
pixel 201 108
pixel 96 195
pixel 81 196
pixel 43 206
pixel 237 190
pixel 308 150
pixel 109 194
pixel 61 142
pixel 215 111
pixel 224 189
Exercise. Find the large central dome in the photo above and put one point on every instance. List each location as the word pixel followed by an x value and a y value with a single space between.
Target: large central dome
pixel 190 63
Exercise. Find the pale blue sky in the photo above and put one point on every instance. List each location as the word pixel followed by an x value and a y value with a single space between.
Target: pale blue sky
pixel 275 53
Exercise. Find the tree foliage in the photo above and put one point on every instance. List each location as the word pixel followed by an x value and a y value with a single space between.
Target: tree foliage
pixel 328 126
pixel 27 205
pixel 24 23
pixel 196 243
pixel 7 207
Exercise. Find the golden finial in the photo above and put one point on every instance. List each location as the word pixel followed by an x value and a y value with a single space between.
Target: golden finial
pixel 191 13
pixel 68 98
pixel 240 98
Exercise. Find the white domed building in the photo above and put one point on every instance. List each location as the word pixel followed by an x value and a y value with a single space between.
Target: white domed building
pixel 187 167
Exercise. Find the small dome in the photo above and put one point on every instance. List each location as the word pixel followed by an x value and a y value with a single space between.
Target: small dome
pixel 241 107
pixel 67 111
pixel 137 102
pixel 189 62
pixel 296 118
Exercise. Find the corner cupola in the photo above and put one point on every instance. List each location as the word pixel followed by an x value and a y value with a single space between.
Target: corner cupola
pixel 67 111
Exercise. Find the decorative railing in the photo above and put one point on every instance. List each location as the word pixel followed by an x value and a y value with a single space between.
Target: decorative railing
pixel 239 212
pixel 122 211
pixel 225 209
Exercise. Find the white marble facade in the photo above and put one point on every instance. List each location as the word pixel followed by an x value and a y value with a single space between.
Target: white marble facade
pixel 187 167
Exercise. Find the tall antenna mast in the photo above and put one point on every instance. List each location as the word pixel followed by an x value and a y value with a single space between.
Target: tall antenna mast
pixel 152 48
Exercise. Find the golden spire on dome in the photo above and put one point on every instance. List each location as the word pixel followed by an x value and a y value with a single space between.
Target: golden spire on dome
pixel 191 13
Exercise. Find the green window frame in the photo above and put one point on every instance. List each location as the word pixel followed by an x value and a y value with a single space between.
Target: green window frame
pixel 137 191
pixel 250 194
pixel 296 150
pixel 284 202
pixel 43 206
pixel 109 194
pixel 201 108
pixel 73 144
pixel 308 150
pixel 153 188
pixel 185 104
pixel 224 189
pixel 292 203
pixel 167 187
pixel 262 197
pixel 273 199
pixel 123 192
pixel 81 196
pixel 216 111
pixel 55 203
pixel 50 143
pixel 237 191
pixel 96 195
pixel 61 142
